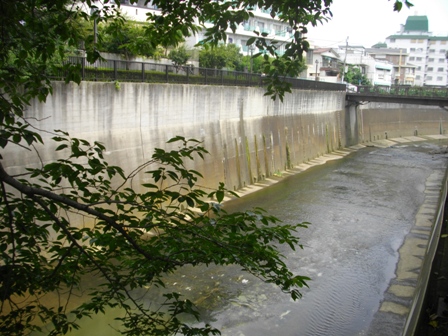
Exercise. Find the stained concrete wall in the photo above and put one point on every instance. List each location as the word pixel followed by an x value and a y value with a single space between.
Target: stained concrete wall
pixel 384 120
pixel 249 136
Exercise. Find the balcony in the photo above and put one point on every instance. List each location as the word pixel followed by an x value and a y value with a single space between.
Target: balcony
pixel 330 65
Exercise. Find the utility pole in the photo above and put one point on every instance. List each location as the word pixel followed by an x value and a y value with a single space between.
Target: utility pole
pixel 345 59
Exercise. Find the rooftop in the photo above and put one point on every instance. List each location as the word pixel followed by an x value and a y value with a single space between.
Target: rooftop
pixel 416 23
pixel 416 37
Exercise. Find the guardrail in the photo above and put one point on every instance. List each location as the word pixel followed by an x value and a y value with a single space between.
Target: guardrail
pixel 409 91
pixel 130 71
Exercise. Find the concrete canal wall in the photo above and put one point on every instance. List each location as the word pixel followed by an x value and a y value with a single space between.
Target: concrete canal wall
pixel 249 136
pixel 377 121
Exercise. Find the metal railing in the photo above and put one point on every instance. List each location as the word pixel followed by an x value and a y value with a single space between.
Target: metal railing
pixel 131 71
pixel 408 91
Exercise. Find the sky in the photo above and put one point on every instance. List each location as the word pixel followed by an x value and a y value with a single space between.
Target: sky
pixel 366 22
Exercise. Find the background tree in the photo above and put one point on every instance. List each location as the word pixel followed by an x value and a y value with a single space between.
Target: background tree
pixel 254 63
pixel 132 239
pixel 356 77
pixel 222 56
pixel 126 38
pixel 179 56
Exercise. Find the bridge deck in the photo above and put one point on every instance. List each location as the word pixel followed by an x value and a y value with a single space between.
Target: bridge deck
pixel 399 99
pixel 401 94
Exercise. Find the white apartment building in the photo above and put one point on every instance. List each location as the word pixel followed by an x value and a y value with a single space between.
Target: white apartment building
pixel 261 22
pixel 427 52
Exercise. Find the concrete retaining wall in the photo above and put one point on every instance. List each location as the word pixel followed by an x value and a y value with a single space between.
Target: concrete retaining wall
pixel 248 135
pixel 380 121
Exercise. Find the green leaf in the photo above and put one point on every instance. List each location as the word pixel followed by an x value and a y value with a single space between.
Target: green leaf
pixel 250 41
pixel 219 195
pixel 60 147
pixel 190 202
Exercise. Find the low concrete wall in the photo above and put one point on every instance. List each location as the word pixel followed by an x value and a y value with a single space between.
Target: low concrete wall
pixel 248 135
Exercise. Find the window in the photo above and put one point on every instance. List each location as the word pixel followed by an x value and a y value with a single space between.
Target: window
pixel 309 56
pixel 432 42
pixel 419 59
pixel 430 59
pixel 441 60
pixel 392 40
pixel 412 58
pixel 230 40
pixel 419 49
pixel 417 77
pixel 413 41
pixel 432 50
pixel 443 42
pixel 419 68
pixel 430 69
pixel 440 69
pixel 439 78
pixel 442 51
pixel 429 78
pixel 412 49
pixel 420 41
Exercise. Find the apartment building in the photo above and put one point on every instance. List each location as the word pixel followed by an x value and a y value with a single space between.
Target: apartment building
pixel 427 52
pixel 404 73
pixel 261 22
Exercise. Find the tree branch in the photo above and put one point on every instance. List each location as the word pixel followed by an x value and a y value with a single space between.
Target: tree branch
pixel 32 191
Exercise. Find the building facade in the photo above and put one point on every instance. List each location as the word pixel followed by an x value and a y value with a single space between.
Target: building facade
pixel 426 52
pixel 326 65
pixel 404 73
pixel 379 72
pixel 261 22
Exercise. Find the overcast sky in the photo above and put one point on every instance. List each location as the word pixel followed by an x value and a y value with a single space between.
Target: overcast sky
pixel 366 22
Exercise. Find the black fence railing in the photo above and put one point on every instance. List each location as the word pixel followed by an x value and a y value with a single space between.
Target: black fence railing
pixel 409 91
pixel 131 71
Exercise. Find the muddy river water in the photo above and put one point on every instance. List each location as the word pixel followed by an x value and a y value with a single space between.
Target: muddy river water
pixel 361 207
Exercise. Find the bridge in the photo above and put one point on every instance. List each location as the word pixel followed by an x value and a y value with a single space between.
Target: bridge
pixel 400 95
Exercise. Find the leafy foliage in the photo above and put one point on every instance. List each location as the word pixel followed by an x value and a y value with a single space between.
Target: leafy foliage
pixel 134 240
pixel 222 56
pixel 179 56
pixel 79 216
pixel 126 38
pixel 356 77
